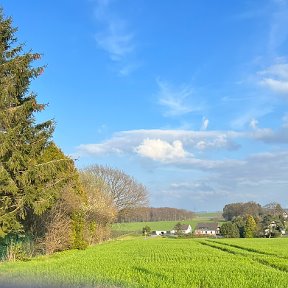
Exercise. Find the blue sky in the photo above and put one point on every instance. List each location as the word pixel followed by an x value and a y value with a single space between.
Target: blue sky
pixel 189 97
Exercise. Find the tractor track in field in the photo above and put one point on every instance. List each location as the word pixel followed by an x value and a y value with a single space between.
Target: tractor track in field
pixel 247 254
pixel 250 249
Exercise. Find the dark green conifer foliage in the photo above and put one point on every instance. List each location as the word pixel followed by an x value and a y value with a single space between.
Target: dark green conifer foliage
pixel 30 178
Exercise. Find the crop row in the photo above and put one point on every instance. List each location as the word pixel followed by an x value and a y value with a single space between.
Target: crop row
pixel 275 261
pixel 270 246
pixel 148 263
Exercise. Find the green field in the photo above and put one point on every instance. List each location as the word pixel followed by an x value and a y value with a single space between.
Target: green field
pixel 165 225
pixel 160 262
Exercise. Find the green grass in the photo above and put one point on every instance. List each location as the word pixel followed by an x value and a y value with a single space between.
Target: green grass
pixel 159 225
pixel 209 214
pixel 159 262
pixel 165 225
pixel 273 253
pixel 272 246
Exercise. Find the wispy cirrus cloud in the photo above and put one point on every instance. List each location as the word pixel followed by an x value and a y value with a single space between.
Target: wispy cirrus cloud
pixel 176 101
pixel 115 37
pixel 278 33
pixel 253 112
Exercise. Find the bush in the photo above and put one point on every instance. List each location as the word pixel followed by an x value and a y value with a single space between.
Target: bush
pixel 276 234
pixel 78 226
pixel 229 230
pixel 17 249
pixel 58 236
pixel 146 230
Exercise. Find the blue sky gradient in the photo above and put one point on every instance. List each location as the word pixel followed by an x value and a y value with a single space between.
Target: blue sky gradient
pixel 189 97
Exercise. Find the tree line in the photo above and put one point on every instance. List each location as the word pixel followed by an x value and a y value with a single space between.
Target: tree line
pixel 151 214
pixel 250 219
pixel 44 200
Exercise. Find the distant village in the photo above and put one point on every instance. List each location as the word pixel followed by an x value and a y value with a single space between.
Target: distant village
pixel 211 229
pixel 240 220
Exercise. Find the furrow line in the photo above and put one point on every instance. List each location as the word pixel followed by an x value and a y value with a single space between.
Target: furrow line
pixel 252 257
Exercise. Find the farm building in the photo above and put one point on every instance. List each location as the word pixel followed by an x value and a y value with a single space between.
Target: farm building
pixel 159 232
pixel 184 229
pixel 207 229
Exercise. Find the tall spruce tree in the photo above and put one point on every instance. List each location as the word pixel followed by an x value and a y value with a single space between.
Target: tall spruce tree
pixel 31 178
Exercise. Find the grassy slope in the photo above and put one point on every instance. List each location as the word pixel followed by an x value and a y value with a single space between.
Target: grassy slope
pixel 157 262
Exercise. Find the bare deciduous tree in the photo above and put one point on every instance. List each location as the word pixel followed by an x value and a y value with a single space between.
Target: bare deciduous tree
pixel 99 206
pixel 125 192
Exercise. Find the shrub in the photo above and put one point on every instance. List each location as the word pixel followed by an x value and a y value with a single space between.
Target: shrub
pixel 17 249
pixel 146 230
pixel 78 226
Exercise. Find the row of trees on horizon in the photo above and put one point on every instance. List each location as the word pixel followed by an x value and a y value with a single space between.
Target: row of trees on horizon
pixel 151 214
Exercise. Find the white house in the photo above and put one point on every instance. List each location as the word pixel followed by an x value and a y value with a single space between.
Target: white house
pixel 209 229
pixel 272 227
pixel 184 229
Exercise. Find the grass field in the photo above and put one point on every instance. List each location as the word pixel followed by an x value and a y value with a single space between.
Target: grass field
pixel 160 262
pixel 165 225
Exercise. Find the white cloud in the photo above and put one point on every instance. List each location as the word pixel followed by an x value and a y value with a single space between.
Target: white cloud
pixel 279 70
pixel 210 176
pixel 97 149
pixel 260 177
pixel 160 150
pixel 221 141
pixel 275 78
pixel 268 135
pixel 205 123
pixel 279 86
pixel 268 166
pixel 253 124
pixel 258 111
pixel 128 141
pixel 183 148
pixel 176 101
